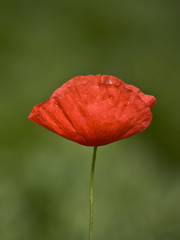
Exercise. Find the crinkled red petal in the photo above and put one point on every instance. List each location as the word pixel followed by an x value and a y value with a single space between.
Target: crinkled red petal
pixel 95 110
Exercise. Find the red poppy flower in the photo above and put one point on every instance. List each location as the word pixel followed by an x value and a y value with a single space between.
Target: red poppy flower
pixel 95 110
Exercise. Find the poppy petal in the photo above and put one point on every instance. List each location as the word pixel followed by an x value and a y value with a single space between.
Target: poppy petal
pixel 95 110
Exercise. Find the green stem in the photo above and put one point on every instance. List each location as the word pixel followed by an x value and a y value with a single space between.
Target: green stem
pixel 91 192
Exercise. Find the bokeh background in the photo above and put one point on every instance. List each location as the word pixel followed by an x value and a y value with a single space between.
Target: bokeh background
pixel 44 179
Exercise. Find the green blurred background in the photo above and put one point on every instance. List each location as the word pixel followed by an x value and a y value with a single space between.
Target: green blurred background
pixel 44 179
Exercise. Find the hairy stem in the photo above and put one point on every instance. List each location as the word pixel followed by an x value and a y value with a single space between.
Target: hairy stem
pixel 91 192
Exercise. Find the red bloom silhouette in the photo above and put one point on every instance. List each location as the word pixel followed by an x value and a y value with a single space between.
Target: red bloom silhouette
pixel 95 110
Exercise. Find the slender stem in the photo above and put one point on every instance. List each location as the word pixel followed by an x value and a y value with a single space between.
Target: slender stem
pixel 91 192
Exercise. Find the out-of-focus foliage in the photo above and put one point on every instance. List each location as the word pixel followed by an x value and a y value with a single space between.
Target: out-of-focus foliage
pixel 44 179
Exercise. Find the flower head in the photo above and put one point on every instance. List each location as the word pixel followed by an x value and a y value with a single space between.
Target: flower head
pixel 95 110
